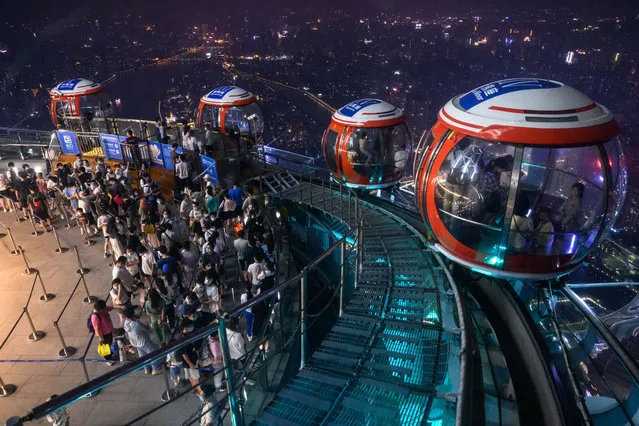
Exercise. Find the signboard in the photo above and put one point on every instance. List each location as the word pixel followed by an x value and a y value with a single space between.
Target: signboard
pixel 69 84
pixel 354 107
pixel 220 92
pixel 111 146
pixel 208 167
pixel 155 151
pixel 68 142
pixel 501 87
pixel 166 154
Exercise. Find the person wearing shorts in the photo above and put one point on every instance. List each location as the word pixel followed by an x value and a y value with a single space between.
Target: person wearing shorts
pixel 190 355
pixel 103 221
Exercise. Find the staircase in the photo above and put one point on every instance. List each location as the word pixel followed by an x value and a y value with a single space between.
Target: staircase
pixel 385 359
pixel 275 183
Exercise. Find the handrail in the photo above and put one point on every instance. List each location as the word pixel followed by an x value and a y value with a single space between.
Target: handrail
pixel 612 341
pixel 98 383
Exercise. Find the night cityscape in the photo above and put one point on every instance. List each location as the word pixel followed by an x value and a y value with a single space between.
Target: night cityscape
pixel 305 64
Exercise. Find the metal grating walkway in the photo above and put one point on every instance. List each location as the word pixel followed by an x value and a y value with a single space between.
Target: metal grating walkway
pixel 384 358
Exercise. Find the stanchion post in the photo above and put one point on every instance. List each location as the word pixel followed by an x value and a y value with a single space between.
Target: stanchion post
pixel 303 303
pixel 35 232
pixel 27 269
pixel 15 250
pixel 18 218
pixel 88 241
pixel 236 416
pixel 81 270
pixel 60 249
pixel 66 217
pixel 88 298
pixel 66 351
pixel 35 334
pixel 169 394
pixel 6 389
pixel 342 276
pixel 45 296
pixel 87 378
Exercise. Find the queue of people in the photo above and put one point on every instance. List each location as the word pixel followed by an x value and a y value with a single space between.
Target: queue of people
pixel 168 278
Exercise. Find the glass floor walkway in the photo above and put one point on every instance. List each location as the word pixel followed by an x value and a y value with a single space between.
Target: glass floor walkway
pixel 392 358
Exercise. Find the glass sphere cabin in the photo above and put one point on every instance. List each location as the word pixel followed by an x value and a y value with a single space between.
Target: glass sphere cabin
pixel 78 98
pixel 367 144
pixel 229 109
pixel 519 178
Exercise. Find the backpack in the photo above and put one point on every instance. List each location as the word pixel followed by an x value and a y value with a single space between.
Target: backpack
pixel 90 323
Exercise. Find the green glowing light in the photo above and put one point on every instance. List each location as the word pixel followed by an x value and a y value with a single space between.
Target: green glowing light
pixel 432 315
pixel 494 260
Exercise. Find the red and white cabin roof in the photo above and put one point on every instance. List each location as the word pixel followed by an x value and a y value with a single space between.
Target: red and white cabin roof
pixel 228 96
pixel 76 86
pixel 369 113
pixel 530 110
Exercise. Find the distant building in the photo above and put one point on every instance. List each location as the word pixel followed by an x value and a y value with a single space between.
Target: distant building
pixel 629 218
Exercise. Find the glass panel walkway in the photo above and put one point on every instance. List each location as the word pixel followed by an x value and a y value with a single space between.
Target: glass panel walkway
pixel 392 358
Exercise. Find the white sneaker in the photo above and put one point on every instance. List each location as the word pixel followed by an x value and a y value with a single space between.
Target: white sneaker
pixel 109 363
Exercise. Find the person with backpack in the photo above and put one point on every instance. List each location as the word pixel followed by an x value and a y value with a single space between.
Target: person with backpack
pixel 100 325
pixel 167 263
pixel 140 337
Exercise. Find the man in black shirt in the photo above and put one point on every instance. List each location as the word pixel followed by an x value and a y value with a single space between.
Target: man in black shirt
pixel 190 355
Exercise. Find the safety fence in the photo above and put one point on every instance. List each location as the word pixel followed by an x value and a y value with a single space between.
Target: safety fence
pixel 156 154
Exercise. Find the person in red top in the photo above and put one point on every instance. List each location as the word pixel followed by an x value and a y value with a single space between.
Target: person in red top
pixel 102 325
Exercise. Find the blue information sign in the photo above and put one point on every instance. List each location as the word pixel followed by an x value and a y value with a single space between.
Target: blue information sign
pixel 111 146
pixel 68 142
pixel 166 153
pixel 352 108
pixel 220 92
pixel 69 84
pixel 155 150
pixel 208 166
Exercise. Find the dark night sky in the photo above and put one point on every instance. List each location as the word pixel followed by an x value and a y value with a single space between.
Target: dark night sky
pixel 18 11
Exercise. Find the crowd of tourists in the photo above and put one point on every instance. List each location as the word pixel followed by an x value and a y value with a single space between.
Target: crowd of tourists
pixel 175 257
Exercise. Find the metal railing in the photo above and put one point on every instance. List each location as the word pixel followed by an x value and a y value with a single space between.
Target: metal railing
pixel 39 137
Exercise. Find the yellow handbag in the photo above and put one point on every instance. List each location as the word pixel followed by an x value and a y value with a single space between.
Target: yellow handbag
pixel 104 349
